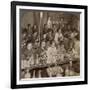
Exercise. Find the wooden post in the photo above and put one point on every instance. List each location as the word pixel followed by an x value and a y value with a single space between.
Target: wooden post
pixel 33 73
pixel 70 68
pixel 39 73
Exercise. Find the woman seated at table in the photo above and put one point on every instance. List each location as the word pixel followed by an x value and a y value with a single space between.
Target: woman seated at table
pixel 51 53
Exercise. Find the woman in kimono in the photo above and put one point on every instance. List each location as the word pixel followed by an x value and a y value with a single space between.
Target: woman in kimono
pixel 43 55
pixel 51 53
pixel 58 37
pixel 61 52
pixel 49 23
pixel 52 59
pixel 43 60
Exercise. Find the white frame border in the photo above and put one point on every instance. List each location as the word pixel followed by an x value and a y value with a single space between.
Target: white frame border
pixel 56 79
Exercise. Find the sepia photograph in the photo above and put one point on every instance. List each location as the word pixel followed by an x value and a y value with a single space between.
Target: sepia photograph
pixel 49 44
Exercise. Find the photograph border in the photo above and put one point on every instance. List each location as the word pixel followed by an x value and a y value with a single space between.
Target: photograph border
pixel 13 44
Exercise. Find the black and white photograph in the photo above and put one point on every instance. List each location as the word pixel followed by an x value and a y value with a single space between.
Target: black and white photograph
pixel 49 44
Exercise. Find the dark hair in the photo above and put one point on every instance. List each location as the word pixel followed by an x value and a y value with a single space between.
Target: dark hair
pixel 28 25
pixel 50 30
pixel 77 36
pixel 44 25
pixel 24 30
pixel 51 41
pixel 28 41
pixel 59 29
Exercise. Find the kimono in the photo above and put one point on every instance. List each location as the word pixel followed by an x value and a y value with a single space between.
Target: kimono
pixel 49 23
pixel 51 55
pixel 25 64
pixel 43 57
pixel 76 49
pixel 28 61
pixel 58 37
pixel 61 53
pixel 31 60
